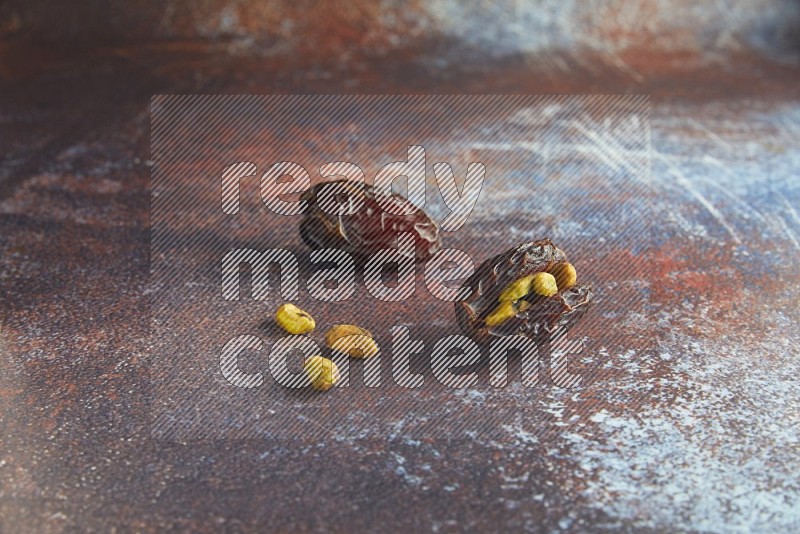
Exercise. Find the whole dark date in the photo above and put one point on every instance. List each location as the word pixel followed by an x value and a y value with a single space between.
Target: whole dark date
pixel 345 214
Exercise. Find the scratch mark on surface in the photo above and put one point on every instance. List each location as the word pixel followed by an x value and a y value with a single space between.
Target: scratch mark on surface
pixel 788 231
pixel 790 209
pixel 711 135
pixel 726 192
pixel 687 184
pixel 616 61
pixel 609 148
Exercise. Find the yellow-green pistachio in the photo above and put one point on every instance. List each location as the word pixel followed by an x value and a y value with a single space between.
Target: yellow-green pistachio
pixel 505 311
pixel 516 289
pixel 544 284
pixel 565 275
pixel 294 320
pixel 322 372
pixel 351 340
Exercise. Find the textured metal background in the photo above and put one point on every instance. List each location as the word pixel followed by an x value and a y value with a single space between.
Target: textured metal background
pixel 714 445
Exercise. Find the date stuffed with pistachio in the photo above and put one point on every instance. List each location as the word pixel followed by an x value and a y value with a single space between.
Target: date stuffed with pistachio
pixel 530 290
pixel 345 214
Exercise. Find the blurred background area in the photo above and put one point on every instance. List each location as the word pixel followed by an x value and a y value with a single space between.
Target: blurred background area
pixel 688 32
pixel 626 41
pixel 84 70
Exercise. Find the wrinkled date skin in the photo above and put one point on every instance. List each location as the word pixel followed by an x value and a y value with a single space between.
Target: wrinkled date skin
pixel 540 316
pixel 368 229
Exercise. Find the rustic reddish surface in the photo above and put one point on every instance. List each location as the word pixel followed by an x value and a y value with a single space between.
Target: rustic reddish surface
pixel 710 366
